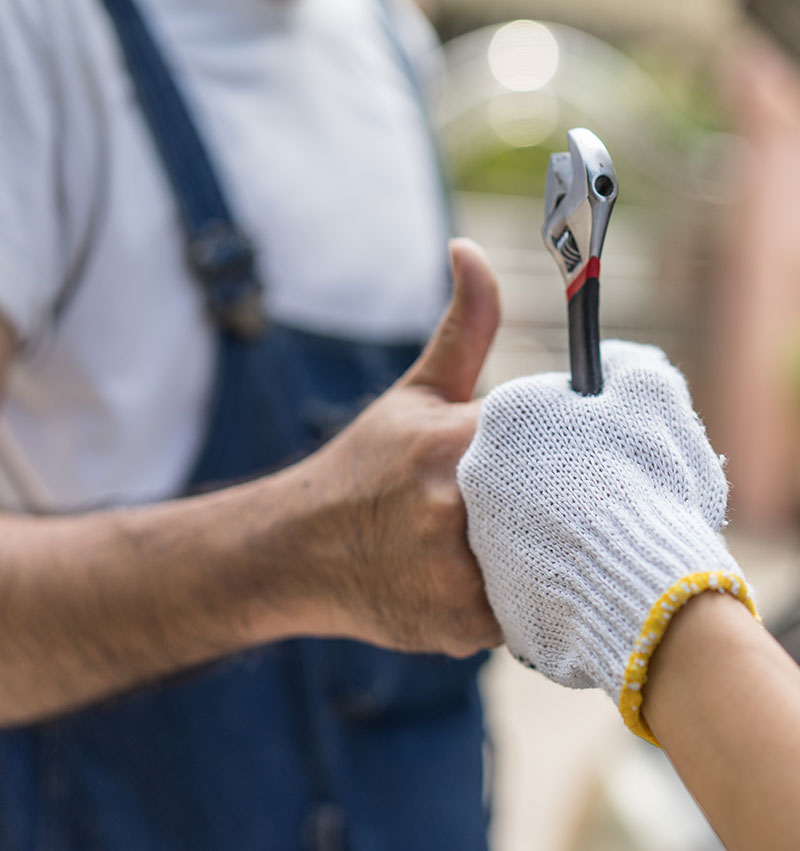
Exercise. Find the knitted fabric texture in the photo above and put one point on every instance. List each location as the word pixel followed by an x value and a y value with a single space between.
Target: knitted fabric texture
pixel 595 518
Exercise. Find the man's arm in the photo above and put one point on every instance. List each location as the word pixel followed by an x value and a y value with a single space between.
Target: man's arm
pixel 365 539
pixel 723 699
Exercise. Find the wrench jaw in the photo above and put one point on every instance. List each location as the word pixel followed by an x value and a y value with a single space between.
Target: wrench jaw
pixel 579 197
pixel 557 233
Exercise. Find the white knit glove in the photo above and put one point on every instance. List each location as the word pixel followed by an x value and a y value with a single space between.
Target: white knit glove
pixel 595 518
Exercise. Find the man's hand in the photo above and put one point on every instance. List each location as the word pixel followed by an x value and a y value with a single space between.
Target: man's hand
pixel 365 539
pixel 389 550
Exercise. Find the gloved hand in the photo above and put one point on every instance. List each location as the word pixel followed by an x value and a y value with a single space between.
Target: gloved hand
pixel 594 519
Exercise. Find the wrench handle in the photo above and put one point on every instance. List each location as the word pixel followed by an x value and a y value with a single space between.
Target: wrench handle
pixel 584 339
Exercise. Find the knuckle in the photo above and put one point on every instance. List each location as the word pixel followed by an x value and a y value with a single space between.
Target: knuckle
pixel 445 507
pixel 440 443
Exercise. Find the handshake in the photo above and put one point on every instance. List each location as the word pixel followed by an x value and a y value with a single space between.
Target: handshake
pixel 594 519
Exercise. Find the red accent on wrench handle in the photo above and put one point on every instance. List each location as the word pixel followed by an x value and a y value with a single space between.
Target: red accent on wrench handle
pixel 584 338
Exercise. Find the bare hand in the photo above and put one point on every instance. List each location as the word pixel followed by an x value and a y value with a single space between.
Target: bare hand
pixel 392 560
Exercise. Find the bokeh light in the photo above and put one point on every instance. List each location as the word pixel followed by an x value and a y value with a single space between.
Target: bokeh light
pixel 523 56
pixel 523 119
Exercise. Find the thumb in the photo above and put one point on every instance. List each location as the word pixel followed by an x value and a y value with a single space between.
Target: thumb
pixel 452 360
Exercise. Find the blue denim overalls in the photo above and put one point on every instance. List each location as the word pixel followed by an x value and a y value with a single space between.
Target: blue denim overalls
pixel 306 745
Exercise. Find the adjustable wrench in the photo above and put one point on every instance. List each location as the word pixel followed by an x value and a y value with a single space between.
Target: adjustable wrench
pixel 581 191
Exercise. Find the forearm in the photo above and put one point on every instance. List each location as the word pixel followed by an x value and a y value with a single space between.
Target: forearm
pixel 722 698
pixel 93 604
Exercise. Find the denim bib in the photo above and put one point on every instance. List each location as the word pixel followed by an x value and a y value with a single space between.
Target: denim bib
pixel 318 745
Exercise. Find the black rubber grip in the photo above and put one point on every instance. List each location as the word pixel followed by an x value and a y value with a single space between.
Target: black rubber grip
pixel 584 339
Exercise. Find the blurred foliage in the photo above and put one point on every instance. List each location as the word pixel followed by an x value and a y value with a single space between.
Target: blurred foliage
pixel 687 81
pixel 684 75
pixel 694 111
pixel 506 170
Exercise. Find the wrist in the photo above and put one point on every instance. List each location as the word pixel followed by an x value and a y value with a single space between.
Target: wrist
pixel 284 541
pixel 659 628
pixel 242 558
pixel 708 627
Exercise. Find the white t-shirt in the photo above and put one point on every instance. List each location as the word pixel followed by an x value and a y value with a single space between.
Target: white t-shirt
pixel 324 153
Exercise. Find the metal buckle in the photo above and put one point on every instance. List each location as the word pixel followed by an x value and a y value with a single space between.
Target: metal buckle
pixel 224 260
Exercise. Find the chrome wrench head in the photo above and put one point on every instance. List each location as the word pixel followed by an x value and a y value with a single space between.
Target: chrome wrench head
pixel 580 195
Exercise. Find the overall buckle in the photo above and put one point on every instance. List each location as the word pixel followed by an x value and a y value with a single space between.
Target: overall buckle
pixel 224 260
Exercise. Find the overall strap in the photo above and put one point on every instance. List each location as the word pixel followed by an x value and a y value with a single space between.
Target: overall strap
pixel 221 255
